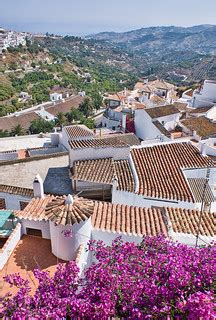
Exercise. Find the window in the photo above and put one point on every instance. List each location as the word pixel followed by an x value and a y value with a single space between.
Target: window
pixel 2 203
pixel 34 232
pixel 23 204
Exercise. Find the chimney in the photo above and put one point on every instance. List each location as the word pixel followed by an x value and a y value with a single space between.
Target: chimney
pixel 115 182
pixel 203 149
pixel 38 188
pixel 124 117
pixel 69 199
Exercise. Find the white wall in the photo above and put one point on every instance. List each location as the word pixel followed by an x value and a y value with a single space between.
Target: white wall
pixel 66 247
pixel 190 239
pixel 41 225
pixel 10 245
pixel 98 153
pixel 209 90
pixel 109 123
pixel 144 127
pixel 210 146
pixel 170 121
pixel 211 114
pixel 132 199
pixel 13 201
pixel 8 156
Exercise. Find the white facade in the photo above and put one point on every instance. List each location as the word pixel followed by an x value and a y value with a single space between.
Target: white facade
pixel 98 153
pixel 55 96
pixel 12 201
pixel 145 128
pixel 206 96
pixel 66 247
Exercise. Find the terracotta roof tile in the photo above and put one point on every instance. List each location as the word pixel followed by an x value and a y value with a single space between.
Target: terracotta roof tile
pixel 124 175
pixel 162 111
pixel 161 128
pixel 16 190
pixel 186 221
pixel 98 170
pixel 159 169
pixel 78 131
pixel 114 142
pixel 197 186
pixel 57 210
pixel 203 126
pixel 70 103
pixel 128 219
pixel 103 171
pixel 24 120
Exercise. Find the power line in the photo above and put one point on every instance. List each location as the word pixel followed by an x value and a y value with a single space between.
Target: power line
pixel 203 204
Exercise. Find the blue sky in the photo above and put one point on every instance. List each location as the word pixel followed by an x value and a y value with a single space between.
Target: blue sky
pixel 81 17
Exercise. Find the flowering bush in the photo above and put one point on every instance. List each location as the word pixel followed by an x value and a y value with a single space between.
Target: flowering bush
pixel 157 279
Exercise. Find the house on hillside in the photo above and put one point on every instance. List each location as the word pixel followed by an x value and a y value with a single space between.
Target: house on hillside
pixel 200 127
pixel 156 122
pixel 68 223
pixel 74 132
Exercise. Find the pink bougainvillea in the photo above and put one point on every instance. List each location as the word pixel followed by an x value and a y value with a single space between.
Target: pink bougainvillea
pixel 157 279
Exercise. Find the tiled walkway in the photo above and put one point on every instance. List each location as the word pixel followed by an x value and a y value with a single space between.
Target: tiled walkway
pixel 30 253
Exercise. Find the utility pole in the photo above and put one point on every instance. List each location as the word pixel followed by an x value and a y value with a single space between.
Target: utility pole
pixel 203 204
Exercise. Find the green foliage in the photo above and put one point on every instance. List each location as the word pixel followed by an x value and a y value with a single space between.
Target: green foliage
pixel 4 133
pixel 61 119
pixel 17 131
pixel 6 92
pixel 74 115
pixel 86 107
pixel 88 123
pixel 41 125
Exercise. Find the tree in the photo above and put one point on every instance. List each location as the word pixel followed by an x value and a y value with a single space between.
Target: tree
pixel 86 107
pixel 61 119
pixel 74 115
pixel 97 100
pixel 41 125
pixel 17 130
pixel 157 279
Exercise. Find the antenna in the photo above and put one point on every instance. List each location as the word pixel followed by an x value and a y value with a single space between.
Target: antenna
pixel 203 204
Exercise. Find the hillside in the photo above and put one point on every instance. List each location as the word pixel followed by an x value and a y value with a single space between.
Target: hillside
pixel 201 39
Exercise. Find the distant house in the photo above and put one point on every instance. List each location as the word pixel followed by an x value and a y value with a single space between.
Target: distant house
pixel 204 96
pixel 156 122
pixel 157 87
pixel 55 96
pixel 200 127
pixel 208 112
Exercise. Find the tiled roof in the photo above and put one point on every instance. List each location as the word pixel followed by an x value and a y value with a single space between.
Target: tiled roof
pixel 16 190
pixel 186 221
pixel 124 175
pixel 197 186
pixel 77 131
pixel 127 219
pixel 203 126
pixel 55 209
pixel 24 120
pixel 201 110
pixel 129 138
pixel 114 142
pixel 157 100
pixel 139 106
pixel 103 171
pixel 98 170
pixel 181 106
pixel 161 128
pixel 189 93
pixel 70 103
pixel 159 169
pixel 162 111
